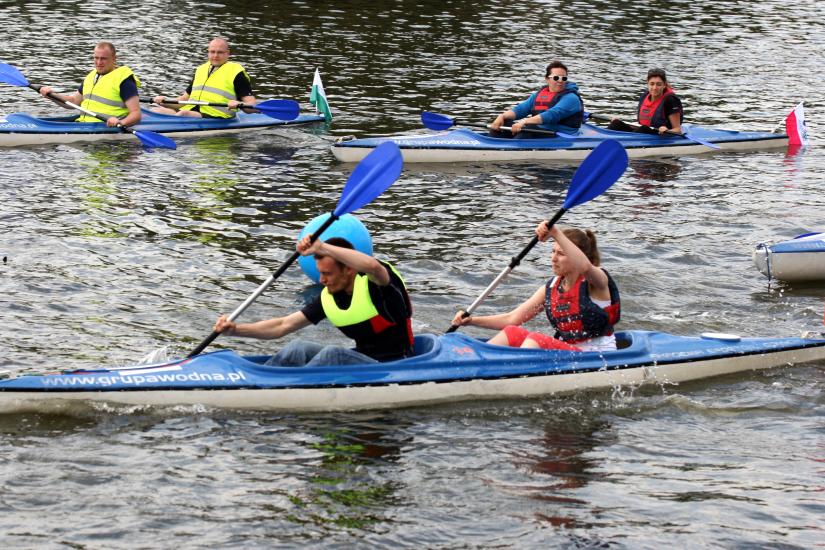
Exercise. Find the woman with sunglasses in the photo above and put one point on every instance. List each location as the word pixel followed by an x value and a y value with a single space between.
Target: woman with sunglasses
pixel 659 109
pixel 581 301
pixel 555 107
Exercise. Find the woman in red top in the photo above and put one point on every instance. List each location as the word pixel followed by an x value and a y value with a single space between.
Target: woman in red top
pixel 659 109
pixel 581 301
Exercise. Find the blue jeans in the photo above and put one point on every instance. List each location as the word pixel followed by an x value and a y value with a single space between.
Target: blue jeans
pixel 302 353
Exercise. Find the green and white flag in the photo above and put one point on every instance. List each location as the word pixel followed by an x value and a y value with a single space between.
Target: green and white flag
pixel 318 98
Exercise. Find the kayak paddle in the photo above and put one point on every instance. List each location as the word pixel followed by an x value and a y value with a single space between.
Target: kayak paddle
pixel 602 167
pixel 436 121
pixel 686 134
pixel 10 75
pixel 281 109
pixel 373 175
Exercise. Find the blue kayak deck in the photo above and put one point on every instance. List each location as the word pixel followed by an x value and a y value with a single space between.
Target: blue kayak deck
pixel 588 137
pixel 811 242
pixel 448 358
pixel 22 123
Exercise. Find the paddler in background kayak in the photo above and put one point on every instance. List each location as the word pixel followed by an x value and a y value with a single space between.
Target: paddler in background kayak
pixel 555 107
pixel 108 89
pixel 364 298
pixel 581 301
pixel 216 81
pixel 659 108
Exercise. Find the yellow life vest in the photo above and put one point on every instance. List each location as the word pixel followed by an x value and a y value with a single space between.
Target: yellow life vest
pixel 361 308
pixel 218 87
pixel 101 93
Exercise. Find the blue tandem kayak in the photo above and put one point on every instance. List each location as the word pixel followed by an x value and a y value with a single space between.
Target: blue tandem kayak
pixel 23 129
pixel 449 368
pixel 462 145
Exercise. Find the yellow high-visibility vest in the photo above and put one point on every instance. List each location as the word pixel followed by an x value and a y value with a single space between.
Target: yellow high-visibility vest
pixel 361 307
pixel 101 93
pixel 218 87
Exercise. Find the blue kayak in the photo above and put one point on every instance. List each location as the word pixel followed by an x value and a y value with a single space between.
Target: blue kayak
pixel 23 129
pixel 449 368
pixel 462 145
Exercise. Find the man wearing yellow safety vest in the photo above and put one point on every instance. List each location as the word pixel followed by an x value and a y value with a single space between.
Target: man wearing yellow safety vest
pixel 216 81
pixel 107 90
pixel 364 298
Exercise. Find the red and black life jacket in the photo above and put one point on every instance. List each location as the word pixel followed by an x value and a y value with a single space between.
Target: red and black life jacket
pixel 652 113
pixel 547 99
pixel 575 316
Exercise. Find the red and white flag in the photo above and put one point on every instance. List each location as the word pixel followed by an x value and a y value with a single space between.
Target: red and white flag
pixel 795 126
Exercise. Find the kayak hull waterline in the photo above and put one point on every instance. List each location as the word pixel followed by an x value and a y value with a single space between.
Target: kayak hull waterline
pixel 20 129
pixel 447 369
pixel 462 145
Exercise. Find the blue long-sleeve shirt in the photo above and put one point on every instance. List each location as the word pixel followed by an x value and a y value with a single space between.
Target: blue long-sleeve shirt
pixel 568 105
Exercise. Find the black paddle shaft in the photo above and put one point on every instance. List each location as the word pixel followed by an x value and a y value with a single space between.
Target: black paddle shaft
pixel 514 262
pixel 104 118
pixel 240 309
pixel 195 102
pixel 547 133
pixel 211 338
pixel 651 128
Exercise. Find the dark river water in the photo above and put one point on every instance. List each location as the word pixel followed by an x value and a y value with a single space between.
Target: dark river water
pixel 113 252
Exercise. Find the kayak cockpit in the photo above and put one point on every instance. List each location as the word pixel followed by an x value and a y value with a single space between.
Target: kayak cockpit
pixel 424 346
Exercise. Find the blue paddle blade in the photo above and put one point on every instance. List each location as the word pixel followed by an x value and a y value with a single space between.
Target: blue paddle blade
pixel 435 121
pixel 691 137
pixel 373 175
pixel 10 75
pixel 282 109
pixel 153 139
pixel 602 167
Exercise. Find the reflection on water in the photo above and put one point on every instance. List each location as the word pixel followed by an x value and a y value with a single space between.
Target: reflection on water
pixel 560 464
pixel 30 426
pixel 794 166
pixel 656 170
pixel 340 489
pixel 101 168
pixel 273 154
pixel 214 161
pixel 649 183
